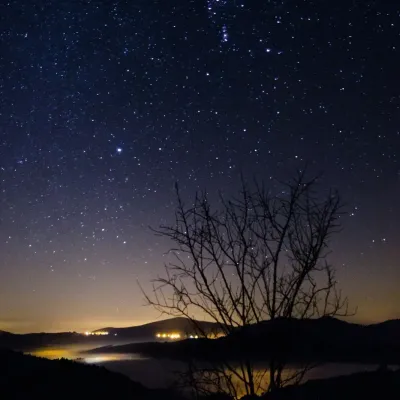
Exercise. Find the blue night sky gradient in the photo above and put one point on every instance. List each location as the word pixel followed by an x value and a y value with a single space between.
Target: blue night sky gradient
pixel 104 105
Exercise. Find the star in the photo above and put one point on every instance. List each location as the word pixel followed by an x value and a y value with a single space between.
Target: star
pixel 105 108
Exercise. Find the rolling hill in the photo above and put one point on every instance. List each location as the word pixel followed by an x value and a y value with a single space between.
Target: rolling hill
pixel 147 332
pixel 29 341
pixel 321 340
pixel 179 325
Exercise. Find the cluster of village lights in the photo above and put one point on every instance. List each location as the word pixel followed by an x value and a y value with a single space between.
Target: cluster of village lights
pixel 97 333
pixel 173 336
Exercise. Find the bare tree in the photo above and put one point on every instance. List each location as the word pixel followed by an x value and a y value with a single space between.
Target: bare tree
pixel 259 256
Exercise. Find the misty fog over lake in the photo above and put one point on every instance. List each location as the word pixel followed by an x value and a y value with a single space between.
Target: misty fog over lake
pixel 163 373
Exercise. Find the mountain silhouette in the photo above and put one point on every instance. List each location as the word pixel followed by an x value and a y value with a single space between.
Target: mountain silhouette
pixel 148 332
pixel 180 325
pixel 291 340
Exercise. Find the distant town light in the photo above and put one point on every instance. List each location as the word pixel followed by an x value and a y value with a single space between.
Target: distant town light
pixel 172 335
pixel 97 333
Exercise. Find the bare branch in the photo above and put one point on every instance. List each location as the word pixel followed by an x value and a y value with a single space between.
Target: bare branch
pixel 260 256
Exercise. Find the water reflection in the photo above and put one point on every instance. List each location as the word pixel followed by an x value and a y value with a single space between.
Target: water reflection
pixel 53 353
pixel 76 352
pixel 107 357
pixel 155 373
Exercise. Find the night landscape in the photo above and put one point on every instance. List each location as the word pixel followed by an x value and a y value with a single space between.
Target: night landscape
pixel 199 199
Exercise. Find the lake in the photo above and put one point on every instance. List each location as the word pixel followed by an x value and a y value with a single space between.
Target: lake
pixel 162 373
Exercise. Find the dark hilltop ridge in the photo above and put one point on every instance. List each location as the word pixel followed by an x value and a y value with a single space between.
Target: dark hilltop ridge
pixel 180 325
pixel 325 339
pixel 147 332
pixel 322 340
pixel 29 341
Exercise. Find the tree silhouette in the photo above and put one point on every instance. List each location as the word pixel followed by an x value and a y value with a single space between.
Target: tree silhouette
pixel 258 256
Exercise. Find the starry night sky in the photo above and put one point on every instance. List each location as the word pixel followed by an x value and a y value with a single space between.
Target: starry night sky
pixel 106 104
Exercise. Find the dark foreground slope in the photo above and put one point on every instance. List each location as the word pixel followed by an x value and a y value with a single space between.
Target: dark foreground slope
pixel 28 377
pixel 378 385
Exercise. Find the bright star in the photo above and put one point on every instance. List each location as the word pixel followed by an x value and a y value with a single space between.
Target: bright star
pixel 119 150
